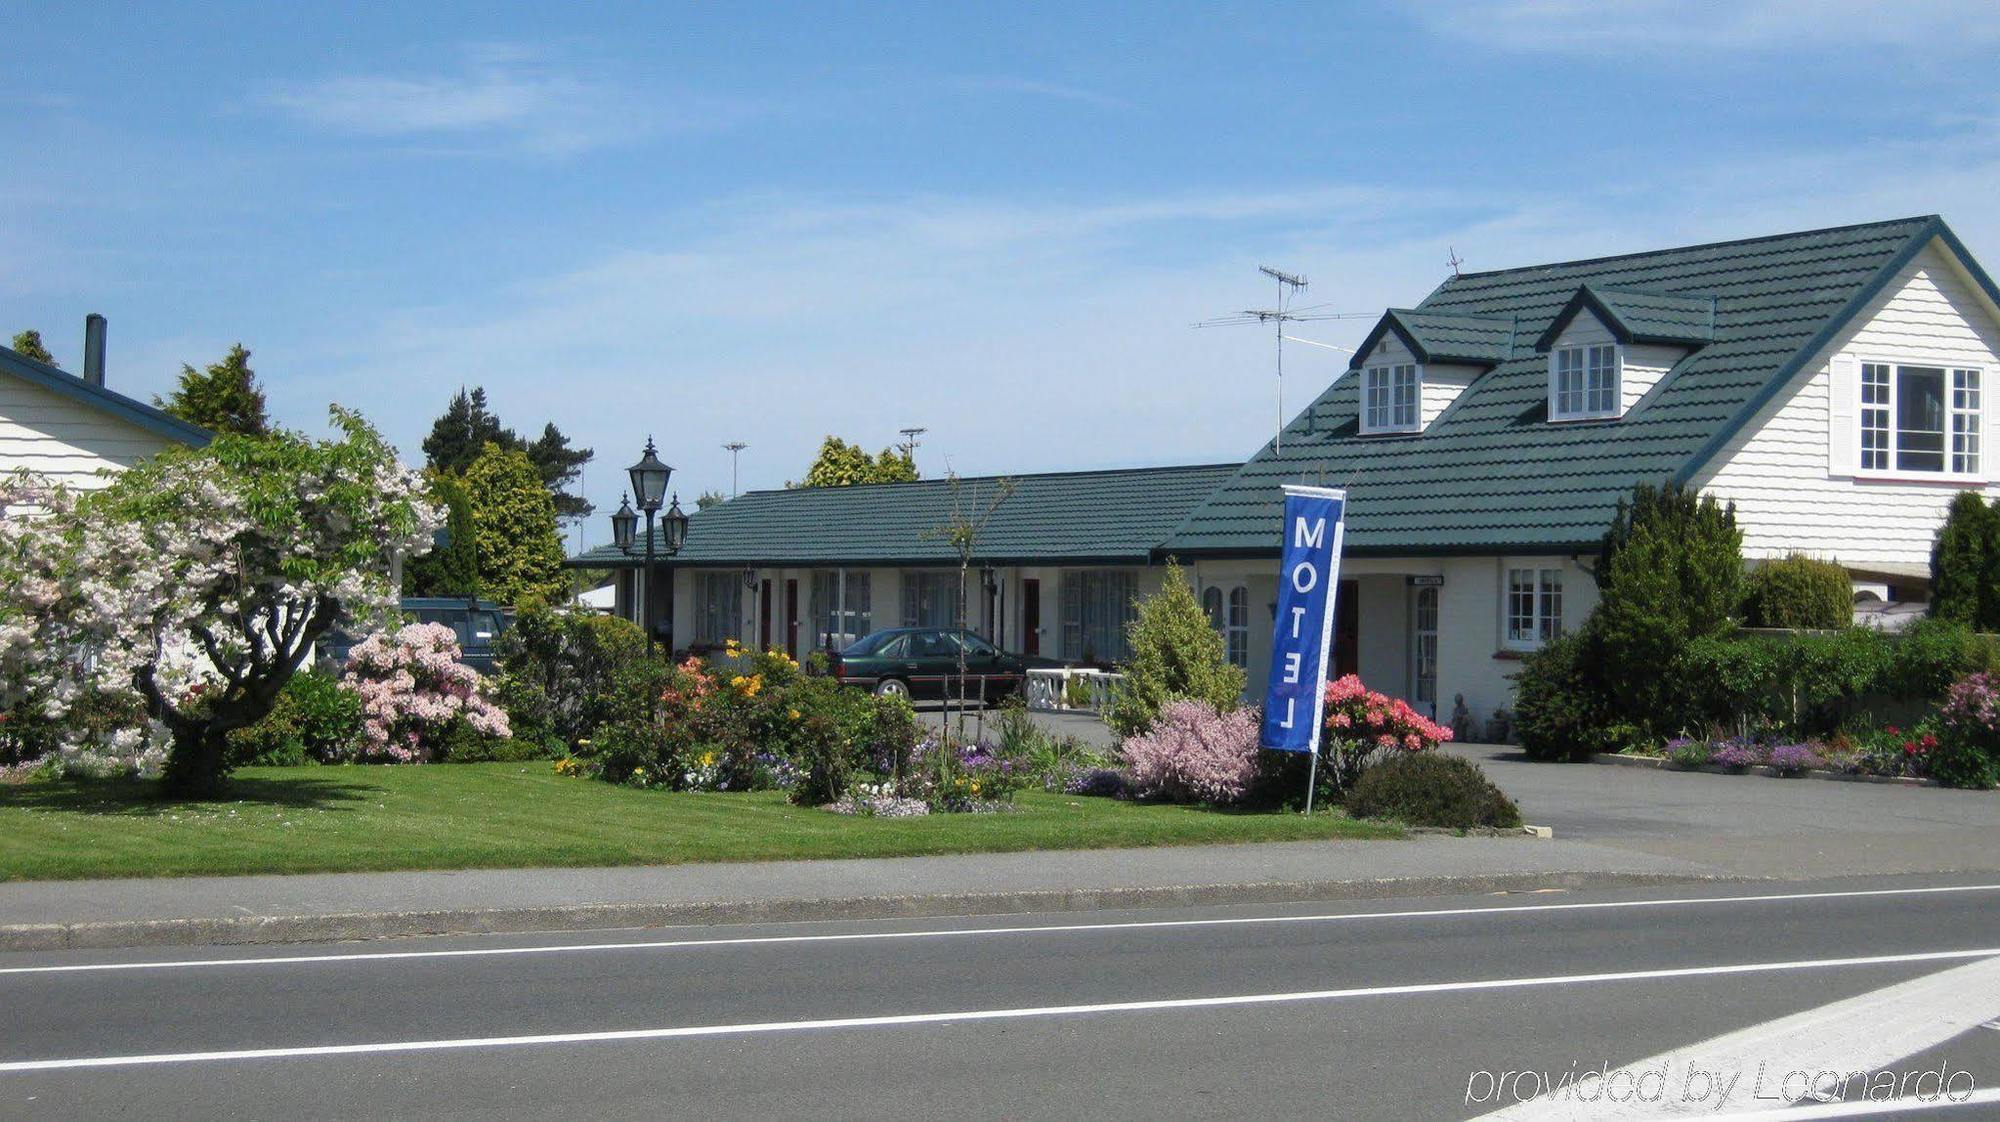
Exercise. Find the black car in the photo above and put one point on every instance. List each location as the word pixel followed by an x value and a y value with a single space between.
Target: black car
pixel 922 662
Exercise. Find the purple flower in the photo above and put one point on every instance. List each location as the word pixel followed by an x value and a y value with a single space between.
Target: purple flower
pixel 1795 757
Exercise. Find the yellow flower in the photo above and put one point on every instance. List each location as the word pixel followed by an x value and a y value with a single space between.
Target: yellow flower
pixel 708 759
pixel 795 714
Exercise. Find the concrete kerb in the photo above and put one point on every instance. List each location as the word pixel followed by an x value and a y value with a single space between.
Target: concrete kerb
pixel 250 930
pixel 1661 763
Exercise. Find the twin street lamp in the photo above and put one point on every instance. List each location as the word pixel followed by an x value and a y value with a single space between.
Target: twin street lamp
pixel 649 485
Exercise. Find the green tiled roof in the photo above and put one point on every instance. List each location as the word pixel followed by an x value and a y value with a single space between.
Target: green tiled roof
pixel 1639 317
pixel 1492 474
pixel 1063 517
pixel 1438 337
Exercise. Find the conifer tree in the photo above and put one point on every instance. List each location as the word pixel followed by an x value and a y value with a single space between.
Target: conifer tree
pixel 29 344
pixel 224 397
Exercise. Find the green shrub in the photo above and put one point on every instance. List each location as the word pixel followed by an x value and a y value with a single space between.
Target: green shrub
pixel 1429 789
pixel 824 763
pixel 314 720
pixel 1799 592
pixel 1670 571
pixel 1175 654
pixel 564 674
pixel 1964 560
pixel 1560 708
pixel 1932 654
pixel 1968 749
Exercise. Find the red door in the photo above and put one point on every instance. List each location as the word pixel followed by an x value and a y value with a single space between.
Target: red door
pixel 1031 617
pixel 792 618
pixel 1346 629
pixel 764 617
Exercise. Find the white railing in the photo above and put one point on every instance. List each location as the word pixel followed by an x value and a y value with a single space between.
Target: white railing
pixel 1053 688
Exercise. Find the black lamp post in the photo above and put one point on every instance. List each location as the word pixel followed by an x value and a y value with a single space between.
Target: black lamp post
pixel 624 525
pixel 649 485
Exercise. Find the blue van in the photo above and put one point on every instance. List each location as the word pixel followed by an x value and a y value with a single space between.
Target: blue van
pixel 477 623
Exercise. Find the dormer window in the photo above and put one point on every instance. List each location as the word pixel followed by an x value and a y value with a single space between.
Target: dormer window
pixel 1389 396
pixel 1583 383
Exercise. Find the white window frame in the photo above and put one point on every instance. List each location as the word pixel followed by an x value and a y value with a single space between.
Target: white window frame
pixel 1400 408
pixel 1544 605
pixel 1586 355
pixel 1877 437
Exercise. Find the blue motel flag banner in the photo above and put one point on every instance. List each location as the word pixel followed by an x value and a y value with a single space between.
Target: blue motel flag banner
pixel 1302 633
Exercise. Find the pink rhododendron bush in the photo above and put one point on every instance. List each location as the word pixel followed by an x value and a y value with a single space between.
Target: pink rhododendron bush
pixel 1192 753
pixel 195 583
pixel 415 694
pixel 1362 724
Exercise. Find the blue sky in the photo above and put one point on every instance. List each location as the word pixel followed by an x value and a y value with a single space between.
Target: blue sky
pixel 774 222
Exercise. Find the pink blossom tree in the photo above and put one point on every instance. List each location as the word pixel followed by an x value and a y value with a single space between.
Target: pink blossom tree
pixel 198 580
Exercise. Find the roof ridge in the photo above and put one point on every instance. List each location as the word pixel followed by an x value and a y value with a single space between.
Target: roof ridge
pixel 1685 248
pixel 1232 464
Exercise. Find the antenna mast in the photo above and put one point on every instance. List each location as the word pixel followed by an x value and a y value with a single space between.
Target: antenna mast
pixel 1289 284
pixel 910 436
pixel 734 447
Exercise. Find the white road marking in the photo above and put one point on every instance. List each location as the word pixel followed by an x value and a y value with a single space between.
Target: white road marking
pixel 905 1019
pixel 1750 1071
pixel 1862 1109
pixel 964 932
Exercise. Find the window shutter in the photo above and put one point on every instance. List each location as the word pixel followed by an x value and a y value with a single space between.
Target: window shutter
pixel 1843 407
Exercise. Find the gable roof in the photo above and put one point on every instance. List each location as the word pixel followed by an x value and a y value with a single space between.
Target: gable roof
pixel 1434 337
pixel 1493 476
pixel 1061 517
pixel 97 397
pixel 1633 316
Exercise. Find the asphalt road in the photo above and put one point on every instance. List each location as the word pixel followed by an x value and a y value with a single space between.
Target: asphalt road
pixel 1389 1009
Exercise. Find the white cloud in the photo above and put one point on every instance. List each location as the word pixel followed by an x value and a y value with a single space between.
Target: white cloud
pixel 1733 25
pixel 496 93
pixel 1035 87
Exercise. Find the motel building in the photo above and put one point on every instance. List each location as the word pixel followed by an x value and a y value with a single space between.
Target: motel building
pixel 1829 383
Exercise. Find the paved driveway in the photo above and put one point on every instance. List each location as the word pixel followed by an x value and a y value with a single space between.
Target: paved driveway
pixel 1750 824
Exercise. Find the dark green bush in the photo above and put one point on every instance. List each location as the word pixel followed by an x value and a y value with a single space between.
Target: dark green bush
pixel 1964 560
pixel 1799 592
pixel 314 720
pixel 1670 571
pixel 1932 654
pixel 563 674
pixel 1429 789
pixel 625 750
pixel 825 763
pixel 464 744
pixel 1561 711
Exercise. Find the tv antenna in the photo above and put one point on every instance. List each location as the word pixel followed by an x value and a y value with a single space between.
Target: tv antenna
pixel 910 436
pixel 1289 285
pixel 1454 260
pixel 733 447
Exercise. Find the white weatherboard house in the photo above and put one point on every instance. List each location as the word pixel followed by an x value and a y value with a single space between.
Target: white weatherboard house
pixel 70 429
pixel 1831 383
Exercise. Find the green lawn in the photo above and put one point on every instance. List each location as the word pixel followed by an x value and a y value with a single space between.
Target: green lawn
pixel 458 816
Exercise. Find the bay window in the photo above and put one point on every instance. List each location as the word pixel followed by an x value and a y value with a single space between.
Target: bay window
pixel 1920 419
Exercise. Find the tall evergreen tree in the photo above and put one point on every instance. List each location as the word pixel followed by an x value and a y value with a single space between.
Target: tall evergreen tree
pixel 452 567
pixel 1965 560
pixel 459 436
pixel 1670 571
pixel 225 397
pixel 29 344
pixel 561 466
pixel 708 499
pixel 514 527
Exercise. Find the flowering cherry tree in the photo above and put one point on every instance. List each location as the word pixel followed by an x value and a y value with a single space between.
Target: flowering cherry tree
pixel 413 691
pixel 198 580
